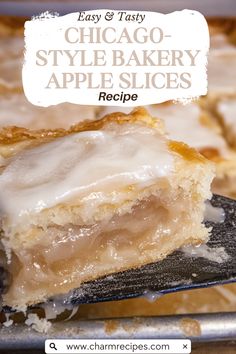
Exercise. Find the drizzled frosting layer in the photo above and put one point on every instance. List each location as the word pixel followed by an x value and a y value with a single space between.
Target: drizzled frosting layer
pixel 227 107
pixel 182 123
pixel 82 163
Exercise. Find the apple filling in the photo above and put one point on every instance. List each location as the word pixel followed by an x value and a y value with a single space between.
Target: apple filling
pixel 71 254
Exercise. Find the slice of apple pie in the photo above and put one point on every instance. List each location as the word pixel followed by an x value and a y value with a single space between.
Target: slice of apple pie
pixel 102 197
pixel 221 67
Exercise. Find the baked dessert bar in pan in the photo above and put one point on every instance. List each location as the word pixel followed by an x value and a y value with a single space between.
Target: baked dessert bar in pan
pixel 11 61
pixel 197 127
pixel 223 104
pixel 221 68
pixel 11 53
pixel 226 110
pixel 15 110
pixel 100 198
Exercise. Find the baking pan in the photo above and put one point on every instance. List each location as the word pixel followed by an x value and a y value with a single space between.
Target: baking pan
pixel 200 327
pixel 207 8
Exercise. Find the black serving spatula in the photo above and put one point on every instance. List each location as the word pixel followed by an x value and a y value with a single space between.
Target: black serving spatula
pixel 177 272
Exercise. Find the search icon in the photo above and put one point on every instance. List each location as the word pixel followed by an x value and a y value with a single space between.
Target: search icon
pixel 52 346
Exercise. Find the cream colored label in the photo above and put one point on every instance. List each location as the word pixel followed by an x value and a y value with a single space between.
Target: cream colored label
pixel 107 57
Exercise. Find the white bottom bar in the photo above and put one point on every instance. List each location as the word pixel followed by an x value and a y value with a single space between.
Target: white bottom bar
pixel 118 346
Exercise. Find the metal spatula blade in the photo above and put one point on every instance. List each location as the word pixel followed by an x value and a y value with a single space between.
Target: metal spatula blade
pixel 177 272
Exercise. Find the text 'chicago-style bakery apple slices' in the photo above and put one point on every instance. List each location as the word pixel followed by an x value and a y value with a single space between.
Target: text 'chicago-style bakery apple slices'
pixel 99 198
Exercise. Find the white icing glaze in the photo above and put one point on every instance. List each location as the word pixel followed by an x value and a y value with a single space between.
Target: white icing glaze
pixel 8 323
pixel 38 324
pixel 16 110
pixel 227 108
pixel 11 47
pixel 214 214
pixel 11 60
pixel 55 308
pixel 182 123
pixel 152 296
pixel 82 163
pixel 220 41
pixel 222 67
pixel 10 73
pixel 217 255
